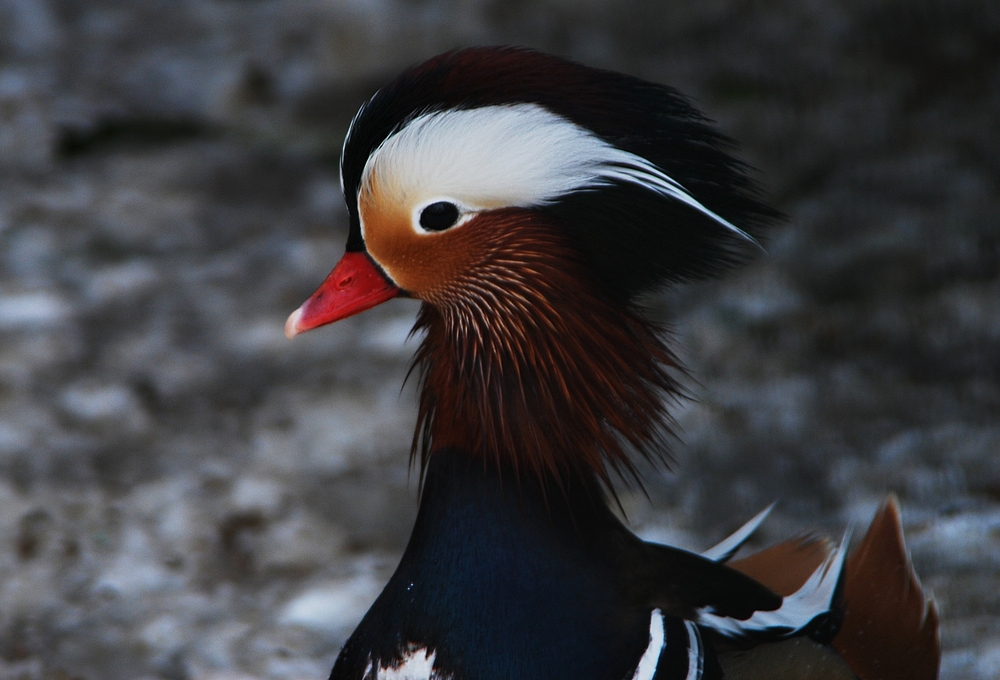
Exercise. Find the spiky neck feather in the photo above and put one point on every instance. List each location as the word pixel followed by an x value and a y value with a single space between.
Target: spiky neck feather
pixel 527 364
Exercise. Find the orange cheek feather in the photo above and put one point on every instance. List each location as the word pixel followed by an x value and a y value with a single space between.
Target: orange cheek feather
pixel 423 265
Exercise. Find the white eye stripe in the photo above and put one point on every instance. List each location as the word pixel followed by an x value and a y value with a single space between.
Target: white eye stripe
pixel 518 155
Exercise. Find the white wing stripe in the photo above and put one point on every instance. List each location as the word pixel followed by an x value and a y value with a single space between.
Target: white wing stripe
pixel 696 654
pixel 646 670
pixel 725 549
pixel 814 598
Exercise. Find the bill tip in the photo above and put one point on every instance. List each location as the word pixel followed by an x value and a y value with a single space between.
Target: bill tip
pixel 292 324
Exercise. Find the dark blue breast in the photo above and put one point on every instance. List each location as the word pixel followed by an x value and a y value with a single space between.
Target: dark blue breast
pixel 506 579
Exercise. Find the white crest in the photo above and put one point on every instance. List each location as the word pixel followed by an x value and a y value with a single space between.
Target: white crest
pixel 517 155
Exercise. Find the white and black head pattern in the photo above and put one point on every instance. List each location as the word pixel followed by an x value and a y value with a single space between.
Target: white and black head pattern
pixel 638 179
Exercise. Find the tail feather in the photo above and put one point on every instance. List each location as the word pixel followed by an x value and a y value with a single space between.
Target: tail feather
pixel 785 567
pixel 808 610
pixel 890 629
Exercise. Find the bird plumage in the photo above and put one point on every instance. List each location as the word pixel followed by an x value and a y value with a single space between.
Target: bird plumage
pixel 890 629
pixel 548 583
pixel 528 363
pixel 576 190
pixel 528 202
pixel 635 239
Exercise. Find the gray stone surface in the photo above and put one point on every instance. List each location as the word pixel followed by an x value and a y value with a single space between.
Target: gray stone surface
pixel 185 494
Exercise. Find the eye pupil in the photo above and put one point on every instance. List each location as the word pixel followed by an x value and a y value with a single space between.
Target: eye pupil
pixel 439 216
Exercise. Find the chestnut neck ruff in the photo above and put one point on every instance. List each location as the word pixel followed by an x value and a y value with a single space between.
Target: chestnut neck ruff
pixel 526 364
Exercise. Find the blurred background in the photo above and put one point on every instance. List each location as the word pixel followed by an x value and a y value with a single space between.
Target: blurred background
pixel 185 495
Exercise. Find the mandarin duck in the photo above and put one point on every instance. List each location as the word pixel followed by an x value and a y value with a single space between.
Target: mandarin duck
pixel 528 201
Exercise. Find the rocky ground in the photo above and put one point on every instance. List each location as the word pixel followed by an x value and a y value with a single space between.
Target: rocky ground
pixel 186 495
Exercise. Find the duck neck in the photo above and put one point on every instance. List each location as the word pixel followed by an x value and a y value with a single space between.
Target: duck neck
pixel 534 368
pixel 463 494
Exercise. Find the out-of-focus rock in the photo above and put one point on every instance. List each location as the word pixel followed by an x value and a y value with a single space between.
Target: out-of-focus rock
pixel 332 607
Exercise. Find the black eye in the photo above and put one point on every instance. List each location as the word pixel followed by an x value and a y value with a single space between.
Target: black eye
pixel 439 216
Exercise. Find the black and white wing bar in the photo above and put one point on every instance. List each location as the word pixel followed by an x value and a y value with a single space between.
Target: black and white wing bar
pixel 675 651
pixel 799 612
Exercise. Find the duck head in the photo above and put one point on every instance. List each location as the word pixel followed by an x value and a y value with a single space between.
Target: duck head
pixel 529 201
